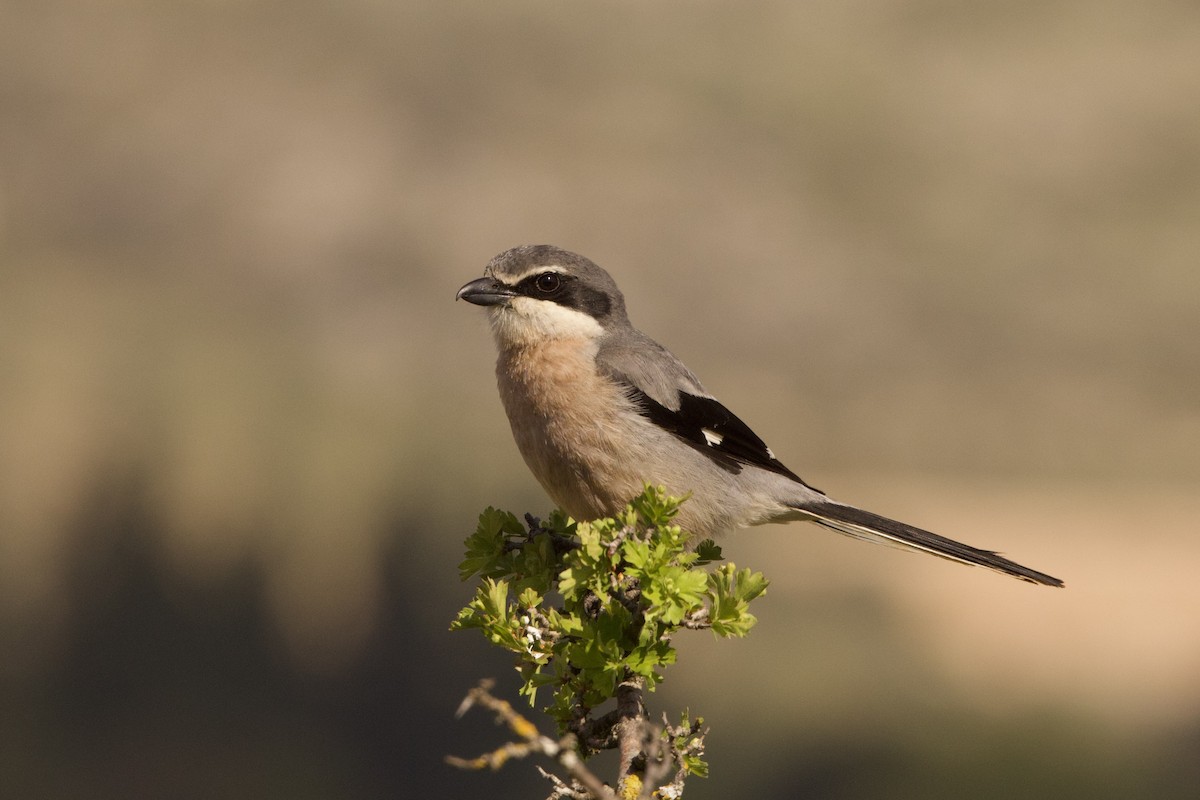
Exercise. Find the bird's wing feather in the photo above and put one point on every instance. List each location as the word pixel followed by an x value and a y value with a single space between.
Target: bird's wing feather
pixel 639 361
pixel 670 396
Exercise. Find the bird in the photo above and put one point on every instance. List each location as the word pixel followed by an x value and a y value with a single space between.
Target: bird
pixel 599 410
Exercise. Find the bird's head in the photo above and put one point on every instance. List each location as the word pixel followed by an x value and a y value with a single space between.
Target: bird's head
pixel 540 292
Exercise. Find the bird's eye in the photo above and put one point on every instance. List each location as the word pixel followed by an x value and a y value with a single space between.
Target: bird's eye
pixel 548 282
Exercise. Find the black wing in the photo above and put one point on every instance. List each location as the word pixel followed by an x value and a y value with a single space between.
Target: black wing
pixel 714 430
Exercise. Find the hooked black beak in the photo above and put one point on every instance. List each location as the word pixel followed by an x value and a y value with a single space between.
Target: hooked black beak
pixel 485 292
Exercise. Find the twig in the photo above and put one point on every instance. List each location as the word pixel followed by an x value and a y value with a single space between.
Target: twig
pixel 562 751
pixel 658 761
pixel 562 543
pixel 694 746
pixel 562 789
pixel 630 726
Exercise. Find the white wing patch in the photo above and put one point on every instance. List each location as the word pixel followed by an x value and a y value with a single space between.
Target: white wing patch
pixel 713 438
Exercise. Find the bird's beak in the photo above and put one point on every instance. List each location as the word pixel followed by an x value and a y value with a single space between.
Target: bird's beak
pixel 485 292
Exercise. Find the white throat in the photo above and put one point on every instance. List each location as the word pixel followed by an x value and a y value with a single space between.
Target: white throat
pixel 526 321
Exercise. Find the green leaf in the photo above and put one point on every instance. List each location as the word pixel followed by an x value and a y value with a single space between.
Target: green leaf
pixel 675 592
pixel 486 546
pixel 731 593
pixel 529 599
pixel 637 555
pixel 751 585
pixel 495 597
pixel 707 552
pixel 695 766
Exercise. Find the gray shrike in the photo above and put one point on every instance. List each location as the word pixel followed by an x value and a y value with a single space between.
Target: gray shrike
pixel 598 409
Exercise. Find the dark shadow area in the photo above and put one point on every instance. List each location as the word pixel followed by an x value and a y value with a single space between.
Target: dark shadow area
pixel 164 689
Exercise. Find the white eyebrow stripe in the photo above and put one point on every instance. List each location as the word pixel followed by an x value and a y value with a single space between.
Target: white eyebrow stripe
pixel 515 279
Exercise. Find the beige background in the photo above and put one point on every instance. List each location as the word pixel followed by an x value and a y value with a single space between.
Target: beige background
pixel 943 257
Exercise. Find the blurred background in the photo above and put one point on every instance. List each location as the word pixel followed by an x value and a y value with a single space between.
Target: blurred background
pixel 943 256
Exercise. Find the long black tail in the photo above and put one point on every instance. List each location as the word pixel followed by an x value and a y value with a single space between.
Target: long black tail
pixel 874 528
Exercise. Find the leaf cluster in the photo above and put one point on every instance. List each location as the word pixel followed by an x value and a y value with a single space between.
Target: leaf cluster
pixel 585 606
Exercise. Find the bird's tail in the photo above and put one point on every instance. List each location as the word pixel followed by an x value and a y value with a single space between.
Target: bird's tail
pixel 873 528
